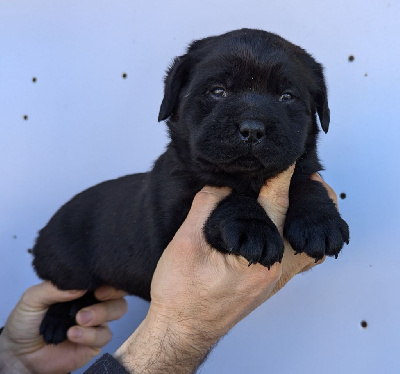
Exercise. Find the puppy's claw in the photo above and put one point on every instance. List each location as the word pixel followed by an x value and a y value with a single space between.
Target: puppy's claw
pixel 336 256
pixel 250 262
pixel 230 251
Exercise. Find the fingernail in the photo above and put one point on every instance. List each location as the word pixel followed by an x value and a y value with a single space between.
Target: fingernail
pixel 76 333
pixel 84 316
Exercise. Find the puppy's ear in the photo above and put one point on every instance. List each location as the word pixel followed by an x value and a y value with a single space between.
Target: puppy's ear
pixel 176 78
pixel 318 91
pixel 321 98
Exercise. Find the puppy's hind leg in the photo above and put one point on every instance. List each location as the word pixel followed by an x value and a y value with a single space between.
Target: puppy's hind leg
pixel 61 316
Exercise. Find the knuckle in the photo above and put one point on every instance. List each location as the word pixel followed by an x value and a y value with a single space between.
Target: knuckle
pixel 210 195
pixel 100 315
pixel 26 301
pixel 204 198
pixel 25 298
pixel 89 336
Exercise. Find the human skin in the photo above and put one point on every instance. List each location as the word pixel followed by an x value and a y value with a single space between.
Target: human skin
pixel 22 349
pixel 199 294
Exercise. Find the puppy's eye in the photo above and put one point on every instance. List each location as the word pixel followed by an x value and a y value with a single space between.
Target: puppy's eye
pixel 218 92
pixel 286 96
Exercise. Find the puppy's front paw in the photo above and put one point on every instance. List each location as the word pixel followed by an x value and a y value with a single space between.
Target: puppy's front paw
pixel 56 322
pixel 317 232
pixel 239 225
pixel 61 316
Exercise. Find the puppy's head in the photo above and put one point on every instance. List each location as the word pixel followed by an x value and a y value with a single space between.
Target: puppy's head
pixel 243 104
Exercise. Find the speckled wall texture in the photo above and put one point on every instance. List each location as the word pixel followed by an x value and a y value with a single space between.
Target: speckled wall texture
pixel 80 89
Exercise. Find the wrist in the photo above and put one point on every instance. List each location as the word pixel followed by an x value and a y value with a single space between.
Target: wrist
pixel 163 345
pixel 9 362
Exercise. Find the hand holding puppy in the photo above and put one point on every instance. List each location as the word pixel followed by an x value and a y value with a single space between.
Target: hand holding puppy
pixel 199 294
pixel 22 349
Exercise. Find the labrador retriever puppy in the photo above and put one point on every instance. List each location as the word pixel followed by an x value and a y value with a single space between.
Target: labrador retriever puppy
pixel 240 108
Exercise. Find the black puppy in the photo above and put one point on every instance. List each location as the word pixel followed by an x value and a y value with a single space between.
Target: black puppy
pixel 241 108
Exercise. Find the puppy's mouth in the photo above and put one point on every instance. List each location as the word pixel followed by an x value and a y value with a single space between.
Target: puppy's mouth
pixel 244 163
pixel 240 164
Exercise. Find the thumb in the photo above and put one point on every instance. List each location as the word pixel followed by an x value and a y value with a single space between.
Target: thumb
pixel 274 197
pixel 41 296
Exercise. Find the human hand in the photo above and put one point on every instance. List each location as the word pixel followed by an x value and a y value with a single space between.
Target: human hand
pixel 20 339
pixel 199 294
pixel 293 264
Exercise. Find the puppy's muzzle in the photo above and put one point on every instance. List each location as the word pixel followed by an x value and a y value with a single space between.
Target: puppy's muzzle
pixel 251 131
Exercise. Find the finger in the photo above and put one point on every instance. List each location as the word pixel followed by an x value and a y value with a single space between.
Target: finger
pixel 92 336
pixel 290 268
pixel 108 293
pixel 329 189
pixel 100 313
pixel 204 202
pixel 190 235
pixel 277 188
pixel 274 196
pixel 44 294
pixel 293 264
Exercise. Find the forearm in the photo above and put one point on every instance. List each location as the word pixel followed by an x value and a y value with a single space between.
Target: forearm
pixel 158 347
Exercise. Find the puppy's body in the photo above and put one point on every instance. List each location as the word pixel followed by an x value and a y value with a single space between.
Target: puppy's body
pixel 115 232
pixel 242 108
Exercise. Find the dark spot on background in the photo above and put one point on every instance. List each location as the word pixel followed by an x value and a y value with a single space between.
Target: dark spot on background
pixel 351 58
pixel 342 195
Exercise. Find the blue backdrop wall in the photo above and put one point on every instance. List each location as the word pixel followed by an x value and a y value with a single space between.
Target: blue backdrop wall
pixel 69 119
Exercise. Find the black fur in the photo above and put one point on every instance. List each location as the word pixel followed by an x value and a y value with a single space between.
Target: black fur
pixel 230 124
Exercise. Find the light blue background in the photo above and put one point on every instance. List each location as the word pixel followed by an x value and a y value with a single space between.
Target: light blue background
pixel 87 124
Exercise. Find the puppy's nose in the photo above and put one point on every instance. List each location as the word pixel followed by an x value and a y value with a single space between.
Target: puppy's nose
pixel 251 130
